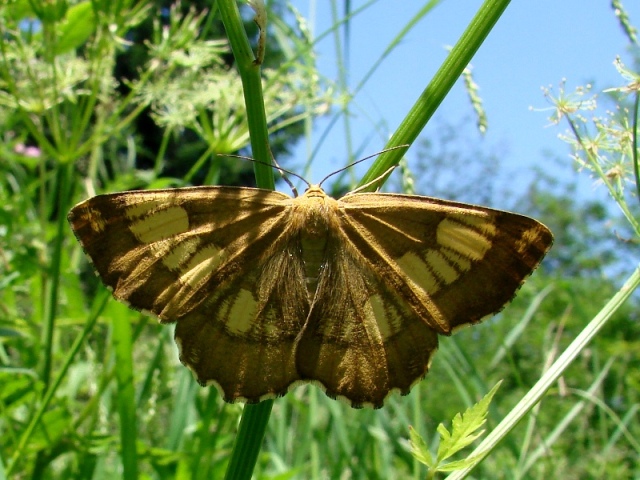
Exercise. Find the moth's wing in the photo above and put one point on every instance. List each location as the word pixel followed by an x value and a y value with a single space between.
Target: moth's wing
pixel 400 270
pixel 218 261
pixel 452 263
pixel 361 341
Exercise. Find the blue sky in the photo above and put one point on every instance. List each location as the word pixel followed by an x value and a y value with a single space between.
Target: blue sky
pixel 535 44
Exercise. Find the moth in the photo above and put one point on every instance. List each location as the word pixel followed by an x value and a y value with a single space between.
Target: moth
pixel 269 291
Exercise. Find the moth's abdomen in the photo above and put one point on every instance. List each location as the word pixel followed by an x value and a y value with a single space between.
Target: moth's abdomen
pixel 314 218
pixel 313 255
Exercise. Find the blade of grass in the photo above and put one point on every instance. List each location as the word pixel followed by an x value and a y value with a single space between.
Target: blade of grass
pixel 185 389
pixel 52 280
pixel 519 328
pixel 216 420
pixel 396 41
pixel 350 93
pixel 341 61
pixel 123 347
pixel 547 443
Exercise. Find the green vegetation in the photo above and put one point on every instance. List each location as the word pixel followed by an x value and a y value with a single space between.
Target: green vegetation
pixel 105 96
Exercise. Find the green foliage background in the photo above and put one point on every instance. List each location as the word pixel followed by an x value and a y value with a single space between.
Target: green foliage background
pixel 104 96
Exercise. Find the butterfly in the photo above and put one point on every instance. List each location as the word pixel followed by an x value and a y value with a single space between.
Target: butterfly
pixel 269 291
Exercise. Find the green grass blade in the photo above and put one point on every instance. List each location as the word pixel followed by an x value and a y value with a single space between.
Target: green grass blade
pixel 123 346
pixel 577 409
pixel 53 275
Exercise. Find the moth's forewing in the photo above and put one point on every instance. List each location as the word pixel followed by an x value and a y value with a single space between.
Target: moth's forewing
pixel 454 263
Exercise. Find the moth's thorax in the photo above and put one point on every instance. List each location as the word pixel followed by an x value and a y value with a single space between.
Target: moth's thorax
pixel 313 212
pixel 313 217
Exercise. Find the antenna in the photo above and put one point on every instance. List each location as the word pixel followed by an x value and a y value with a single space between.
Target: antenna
pixel 282 171
pixel 362 160
pixel 375 180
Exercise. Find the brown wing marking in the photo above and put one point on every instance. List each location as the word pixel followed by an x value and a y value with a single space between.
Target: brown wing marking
pixel 164 251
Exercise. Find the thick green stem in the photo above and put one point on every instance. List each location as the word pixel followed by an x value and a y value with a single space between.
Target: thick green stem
pixel 254 417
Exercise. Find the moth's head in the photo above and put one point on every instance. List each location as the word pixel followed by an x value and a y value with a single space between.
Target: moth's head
pixel 314 191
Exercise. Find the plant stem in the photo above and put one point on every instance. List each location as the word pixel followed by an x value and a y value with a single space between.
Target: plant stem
pixel 249 440
pixel 252 87
pixel 254 417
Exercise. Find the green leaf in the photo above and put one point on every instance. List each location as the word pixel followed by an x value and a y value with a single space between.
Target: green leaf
pixel 465 427
pixel 77 27
pixel 419 448
pixel 19 10
pixel 459 464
